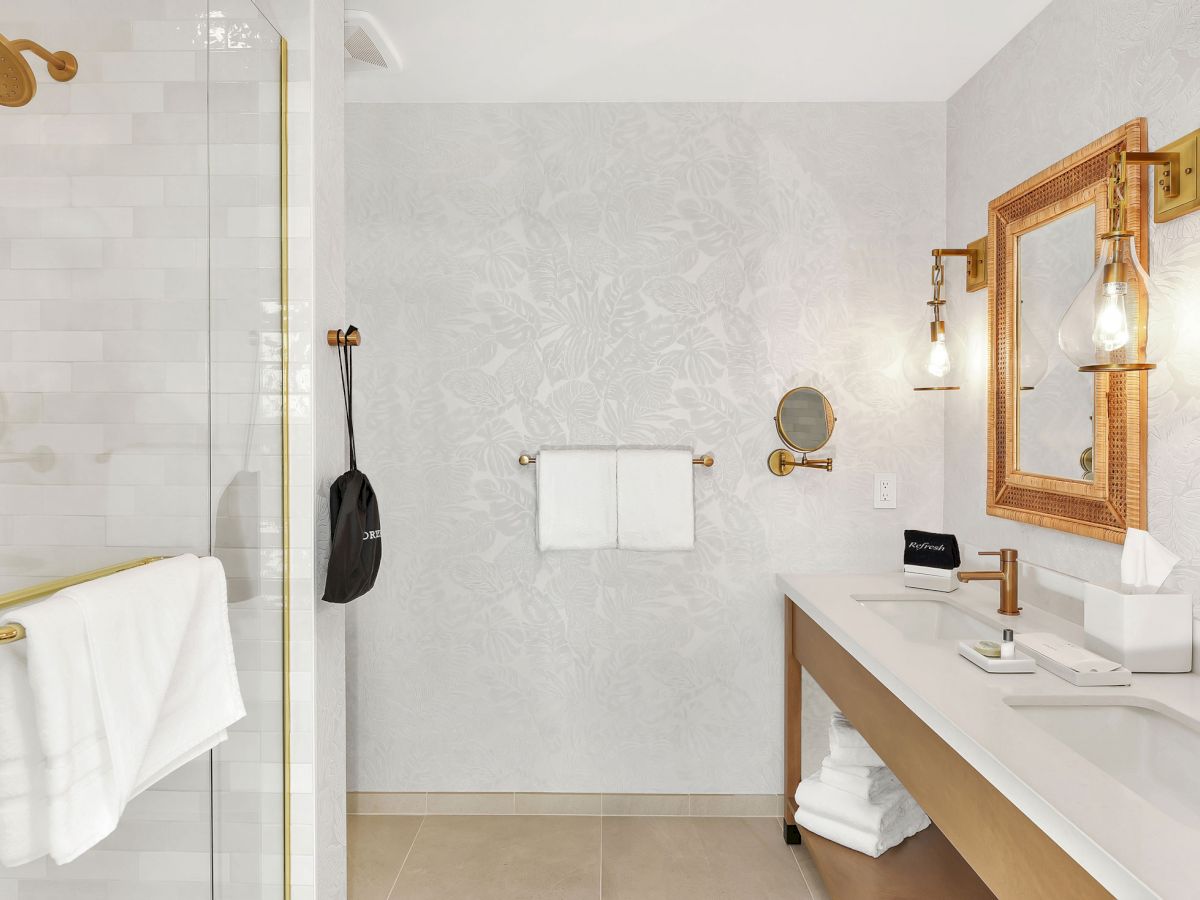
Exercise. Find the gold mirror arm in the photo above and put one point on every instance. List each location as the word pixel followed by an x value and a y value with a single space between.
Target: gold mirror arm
pixel 783 462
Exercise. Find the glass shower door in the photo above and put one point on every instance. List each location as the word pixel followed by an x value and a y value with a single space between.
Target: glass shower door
pixel 244 116
pixel 140 383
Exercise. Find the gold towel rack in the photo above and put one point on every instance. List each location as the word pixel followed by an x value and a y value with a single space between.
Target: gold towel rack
pixel 706 460
pixel 14 632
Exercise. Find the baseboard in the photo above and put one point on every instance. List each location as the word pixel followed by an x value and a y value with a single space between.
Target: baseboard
pixel 367 803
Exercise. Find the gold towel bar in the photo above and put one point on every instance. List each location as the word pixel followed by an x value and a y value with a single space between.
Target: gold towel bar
pixel 14 632
pixel 706 460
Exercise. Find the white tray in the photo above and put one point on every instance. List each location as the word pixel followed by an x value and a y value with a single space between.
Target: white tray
pixel 1116 678
pixel 1016 665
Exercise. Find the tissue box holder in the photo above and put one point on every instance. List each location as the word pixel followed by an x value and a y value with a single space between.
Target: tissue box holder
pixel 1143 632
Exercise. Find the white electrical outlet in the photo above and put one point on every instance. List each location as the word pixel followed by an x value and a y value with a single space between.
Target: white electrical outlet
pixel 885 490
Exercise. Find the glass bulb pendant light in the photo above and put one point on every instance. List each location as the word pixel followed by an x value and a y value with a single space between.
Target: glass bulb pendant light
pixel 934 358
pixel 1116 323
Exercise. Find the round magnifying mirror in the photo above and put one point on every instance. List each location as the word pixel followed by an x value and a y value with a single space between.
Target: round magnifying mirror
pixel 805 419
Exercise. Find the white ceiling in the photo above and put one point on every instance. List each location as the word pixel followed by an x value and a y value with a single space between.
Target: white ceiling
pixel 563 50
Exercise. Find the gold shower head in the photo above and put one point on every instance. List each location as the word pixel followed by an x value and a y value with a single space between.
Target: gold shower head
pixel 17 82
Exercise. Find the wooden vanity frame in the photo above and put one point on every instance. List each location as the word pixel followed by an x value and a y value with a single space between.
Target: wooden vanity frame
pixel 980 844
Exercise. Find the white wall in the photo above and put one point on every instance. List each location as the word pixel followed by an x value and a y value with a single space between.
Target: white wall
pixel 1080 69
pixel 620 273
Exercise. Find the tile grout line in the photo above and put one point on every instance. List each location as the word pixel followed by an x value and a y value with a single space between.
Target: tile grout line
pixel 803 875
pixel 404 862
pixel 601 817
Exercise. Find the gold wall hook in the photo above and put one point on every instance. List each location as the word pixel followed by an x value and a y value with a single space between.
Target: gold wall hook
pixel 335 337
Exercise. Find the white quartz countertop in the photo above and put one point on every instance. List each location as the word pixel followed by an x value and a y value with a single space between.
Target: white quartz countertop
pixel 1130 846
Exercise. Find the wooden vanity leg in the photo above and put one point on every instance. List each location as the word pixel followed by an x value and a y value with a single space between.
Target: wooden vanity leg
pixel 791 726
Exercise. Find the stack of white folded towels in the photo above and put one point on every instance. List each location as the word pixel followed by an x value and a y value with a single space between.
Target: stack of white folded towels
pixel 855 800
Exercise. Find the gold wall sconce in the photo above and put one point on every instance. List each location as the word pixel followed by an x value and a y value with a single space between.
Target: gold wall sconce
pixel 17 82
pixel 1117 322
pixel 804 420
pixel 934 357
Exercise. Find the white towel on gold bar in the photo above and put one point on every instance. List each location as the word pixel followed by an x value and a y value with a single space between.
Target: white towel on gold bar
pixel 23 833
pixel 655 501
pixel 577 499
pixel 132 676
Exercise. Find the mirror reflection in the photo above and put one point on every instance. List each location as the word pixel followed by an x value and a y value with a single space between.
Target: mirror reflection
pixel 1056 399
pixel 805 419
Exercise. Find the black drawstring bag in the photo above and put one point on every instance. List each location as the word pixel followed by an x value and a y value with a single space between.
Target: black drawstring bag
pixel 356 548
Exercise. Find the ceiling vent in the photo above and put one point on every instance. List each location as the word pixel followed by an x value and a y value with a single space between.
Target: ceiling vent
pixel 367 48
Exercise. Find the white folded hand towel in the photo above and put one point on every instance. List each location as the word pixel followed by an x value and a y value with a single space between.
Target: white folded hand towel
pixel 868 827
pixel 23 825
pixel 847 746
pixel 132 676
pixel 655 501
pixel 82 804
pixel 577 499
pixel 866 782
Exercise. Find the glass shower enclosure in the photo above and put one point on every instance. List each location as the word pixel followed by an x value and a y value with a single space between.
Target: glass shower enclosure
pixel 142 385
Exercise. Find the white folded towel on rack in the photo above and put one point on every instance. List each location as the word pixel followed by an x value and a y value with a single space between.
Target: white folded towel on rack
pixel 866 782
pixel 23 832
pixel 577 499
pixel 862 825
pixel 655 500
pixel 132 676
pixel 847 746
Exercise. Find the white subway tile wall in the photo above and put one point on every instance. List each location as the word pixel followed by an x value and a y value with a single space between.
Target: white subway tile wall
pixel 139 415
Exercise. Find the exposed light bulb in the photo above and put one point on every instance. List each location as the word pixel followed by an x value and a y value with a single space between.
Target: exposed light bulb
pixel 1112 324
pixel 939 358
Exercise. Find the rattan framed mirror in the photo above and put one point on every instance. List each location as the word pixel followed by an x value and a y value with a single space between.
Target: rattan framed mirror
pixel 1024 225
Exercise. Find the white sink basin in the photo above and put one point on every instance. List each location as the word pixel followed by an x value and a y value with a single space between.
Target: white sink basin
pixel 928 620
pixel 1149 748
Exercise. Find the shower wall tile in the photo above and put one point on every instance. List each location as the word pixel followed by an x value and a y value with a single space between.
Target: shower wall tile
pixel 530 275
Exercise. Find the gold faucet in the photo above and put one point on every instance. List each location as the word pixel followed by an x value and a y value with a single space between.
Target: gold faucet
pixel 1007 576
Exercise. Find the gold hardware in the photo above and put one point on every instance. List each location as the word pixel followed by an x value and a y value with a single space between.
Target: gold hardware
pixel 335 337
pixel 782 462
pixel 977 273
pixel 285 452
pixel 17 82
pixel 1006 575
pixel 14 632
pixel 706 460
pixel 1175 188
pixel 1176 191
pixel 806 418
pixel 976 256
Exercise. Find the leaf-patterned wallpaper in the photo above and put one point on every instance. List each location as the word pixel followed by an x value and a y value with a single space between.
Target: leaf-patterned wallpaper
pixel 1080 69
pixel 621 274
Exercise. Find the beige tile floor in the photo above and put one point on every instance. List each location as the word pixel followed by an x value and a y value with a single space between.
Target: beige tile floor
pixel 569 857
